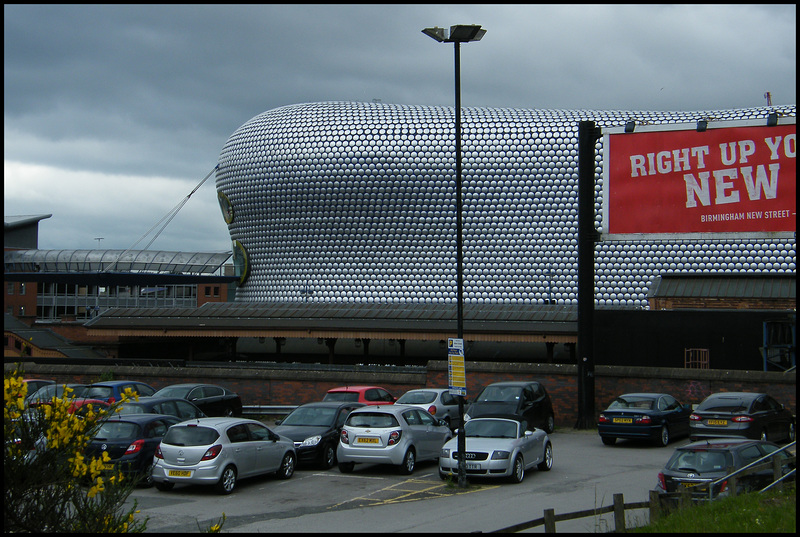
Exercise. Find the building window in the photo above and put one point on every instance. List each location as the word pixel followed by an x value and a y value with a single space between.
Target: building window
pixel 21 311
pixel 207 290
pixel 22 288
pixel 10 288
pixel 216 290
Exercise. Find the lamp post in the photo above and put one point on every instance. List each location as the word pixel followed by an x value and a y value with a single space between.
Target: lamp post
pixel 460 33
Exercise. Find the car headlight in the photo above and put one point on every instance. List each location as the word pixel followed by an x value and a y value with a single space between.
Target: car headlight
pixel 445 454
pixel 500 455
pixel 312 440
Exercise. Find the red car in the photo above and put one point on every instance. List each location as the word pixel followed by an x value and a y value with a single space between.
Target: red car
pixel 369 395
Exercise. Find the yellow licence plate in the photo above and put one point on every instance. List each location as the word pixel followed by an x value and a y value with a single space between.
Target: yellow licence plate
pixel 718 422
pixel 622 420
pixel 180 473
pixel 363 440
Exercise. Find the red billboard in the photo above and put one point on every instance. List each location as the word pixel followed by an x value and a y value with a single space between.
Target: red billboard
pixel 733 179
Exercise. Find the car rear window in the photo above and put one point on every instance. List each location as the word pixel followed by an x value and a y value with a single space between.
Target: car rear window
pixel 371 419
pixel 117 430
pixel 700 461
pixel 632 402
pixel 341 396
pixel 190 436
pixel 724 404
pixel 417 398
pixel 98 392
pixel 126 408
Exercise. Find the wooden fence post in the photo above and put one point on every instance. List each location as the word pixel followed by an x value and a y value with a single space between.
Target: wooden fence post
pixel 619 513
pixel 655 507
pixel 549 521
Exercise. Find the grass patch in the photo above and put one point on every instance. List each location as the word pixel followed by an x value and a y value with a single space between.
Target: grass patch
pixel 768 512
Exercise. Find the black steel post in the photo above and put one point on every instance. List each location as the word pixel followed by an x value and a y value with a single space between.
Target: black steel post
pixel 462 440
pixel 587 237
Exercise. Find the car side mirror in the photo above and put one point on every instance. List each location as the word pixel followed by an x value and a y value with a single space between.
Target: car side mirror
pixel 443 423
pixel 278 422
pixel 528 433
pixel 274 437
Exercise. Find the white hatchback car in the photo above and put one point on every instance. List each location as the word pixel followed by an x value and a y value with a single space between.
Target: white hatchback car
pixel 498 447
pixel 390 434
pixel 219 451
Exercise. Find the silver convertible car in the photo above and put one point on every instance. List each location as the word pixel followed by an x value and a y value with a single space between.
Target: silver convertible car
pixel 219 451
pixel 498 447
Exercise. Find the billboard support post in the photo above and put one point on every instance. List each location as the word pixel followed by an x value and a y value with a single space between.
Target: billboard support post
pixel 588 134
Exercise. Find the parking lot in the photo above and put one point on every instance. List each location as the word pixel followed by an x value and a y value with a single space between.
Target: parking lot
pixel 585 474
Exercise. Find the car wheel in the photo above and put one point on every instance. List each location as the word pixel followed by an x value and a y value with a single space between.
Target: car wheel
pixel 790 434
pixel 608 440
pixel 518 470
pixel 409 461
pixel 547 463
pixel 346 467
pixel 227 481
pixel 147 477
pixel 328 456
pixel 550 424
pixel 663 439
pixel 164 487
pixel 287 466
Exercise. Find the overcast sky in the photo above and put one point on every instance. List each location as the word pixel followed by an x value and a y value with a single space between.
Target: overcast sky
pixel 114 114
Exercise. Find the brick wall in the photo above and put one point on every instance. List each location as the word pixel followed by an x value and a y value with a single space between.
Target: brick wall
pixel 290 385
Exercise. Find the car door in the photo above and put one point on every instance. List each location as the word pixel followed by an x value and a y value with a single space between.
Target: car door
pixel 186 411
pixel 450 404
pixel 212 399
pixel 675 414
pixel 244 451
pixel 529 409
pixel 269 452
pixel 531 446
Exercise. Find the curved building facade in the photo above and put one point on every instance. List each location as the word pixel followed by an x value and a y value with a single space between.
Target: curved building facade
pixel 355 202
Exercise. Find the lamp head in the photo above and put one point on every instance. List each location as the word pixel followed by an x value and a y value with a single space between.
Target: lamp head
pixel 459 33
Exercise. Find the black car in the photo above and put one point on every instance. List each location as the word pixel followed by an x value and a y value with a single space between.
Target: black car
pixel 212 399
pixel 658 417
pixel 315 429
pixel 737 414
pixel 171 406
pixel 528 399
pixel 705 461
pixel 131 441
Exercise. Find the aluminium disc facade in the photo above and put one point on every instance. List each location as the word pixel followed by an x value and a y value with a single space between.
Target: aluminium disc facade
pixel 355 202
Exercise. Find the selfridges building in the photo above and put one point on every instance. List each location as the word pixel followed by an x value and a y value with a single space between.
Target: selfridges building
pixel 355 202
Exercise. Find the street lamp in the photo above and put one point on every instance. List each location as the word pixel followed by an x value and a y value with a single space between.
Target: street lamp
pixel 460 33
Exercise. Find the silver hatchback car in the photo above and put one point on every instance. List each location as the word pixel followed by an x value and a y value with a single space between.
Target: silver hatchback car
pixel 441 404
pixel 395 434
pixel 219 451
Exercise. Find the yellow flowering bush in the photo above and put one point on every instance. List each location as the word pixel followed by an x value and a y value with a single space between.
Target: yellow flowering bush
pixel 50 484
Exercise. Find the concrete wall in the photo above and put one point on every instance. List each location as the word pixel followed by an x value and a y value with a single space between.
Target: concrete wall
pixel 294 384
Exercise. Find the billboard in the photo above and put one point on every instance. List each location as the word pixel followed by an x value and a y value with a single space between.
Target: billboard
pixel 731 179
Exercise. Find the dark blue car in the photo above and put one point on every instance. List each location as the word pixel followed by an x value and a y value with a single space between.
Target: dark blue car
pixel 112 390
pixel 658 417
pixel 131 441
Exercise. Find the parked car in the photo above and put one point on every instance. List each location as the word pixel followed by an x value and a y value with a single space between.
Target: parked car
pixel 658 417
pixel 36 384
pixel 439 402
pixel 131 441
pixel 112 390
pixel 219 451
pixel 705 461
pixel 48 392
pixel 501 447
pixel 315 429
pixel 751 415
pixel 528 399
pixel 171 406
pixel 212 399
pixel 369 395
pixel 400 435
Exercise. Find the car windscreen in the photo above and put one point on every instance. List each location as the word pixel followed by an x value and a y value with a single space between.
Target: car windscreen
pixel 640 403
pixel 371 419
pixel 341 396
pixel 99 392
pixel 190 436
pixel 700 461
pixel 117 430
pixel 173 391
pixel 490 429
pixel 499 394
pixel 417 398
pixel 127 408
pixel 724 404
pixel 311 416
